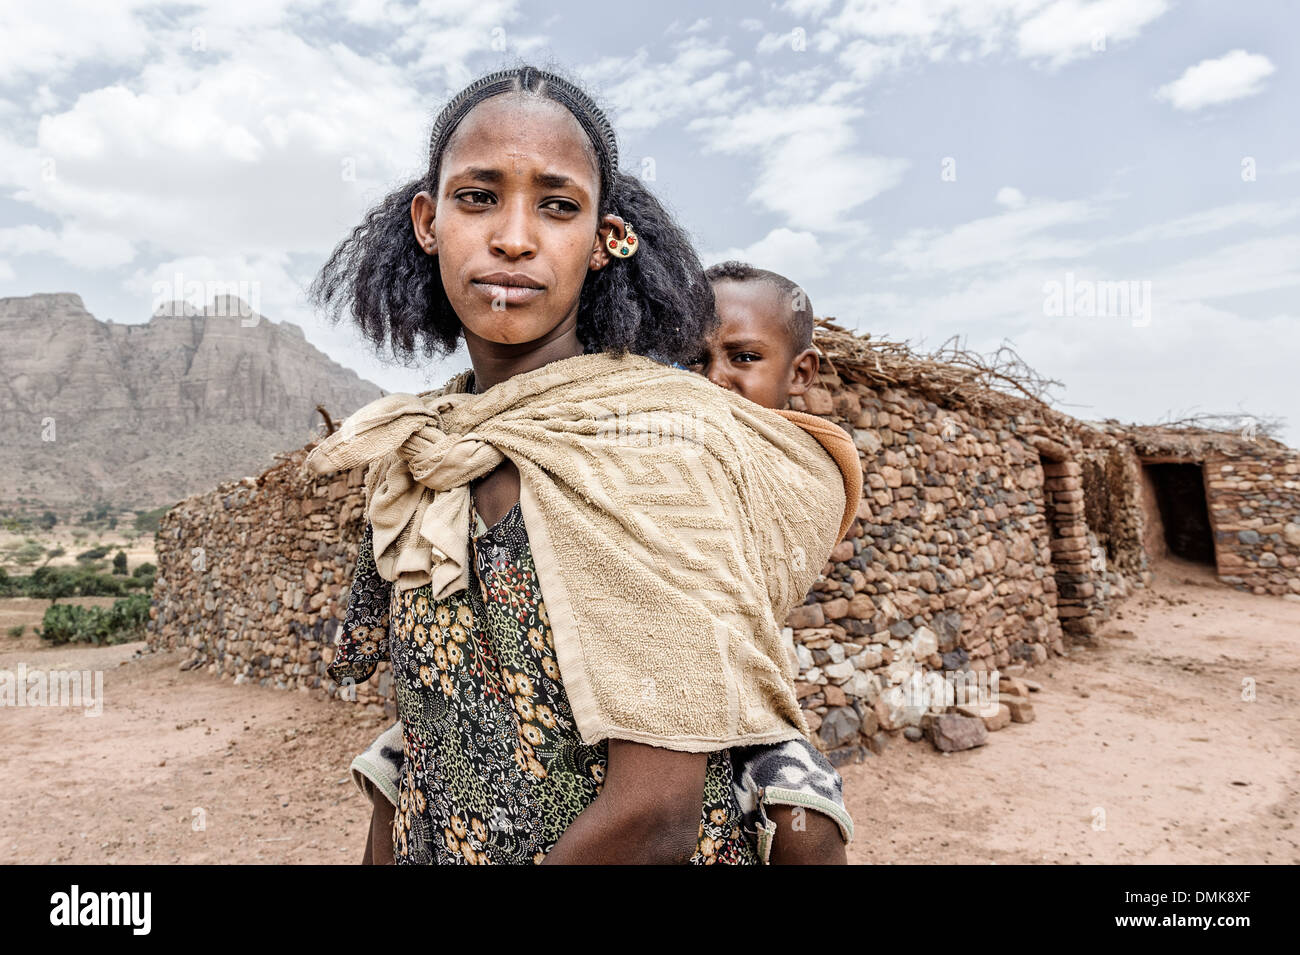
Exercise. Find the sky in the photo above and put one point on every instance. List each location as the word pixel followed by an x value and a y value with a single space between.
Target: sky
pixel 1110 186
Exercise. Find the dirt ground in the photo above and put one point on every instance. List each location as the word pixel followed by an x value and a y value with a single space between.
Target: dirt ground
pixel 1143 750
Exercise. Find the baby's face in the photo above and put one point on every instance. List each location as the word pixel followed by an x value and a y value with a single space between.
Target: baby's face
pixel 750 352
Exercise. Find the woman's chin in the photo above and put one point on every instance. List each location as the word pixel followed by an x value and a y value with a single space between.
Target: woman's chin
pixel 509 327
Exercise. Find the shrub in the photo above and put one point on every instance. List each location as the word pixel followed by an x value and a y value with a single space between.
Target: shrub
pixel 56 583
pixel 120 623
pixel 147 521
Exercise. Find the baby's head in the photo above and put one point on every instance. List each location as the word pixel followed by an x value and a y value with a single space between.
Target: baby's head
pixel 763 346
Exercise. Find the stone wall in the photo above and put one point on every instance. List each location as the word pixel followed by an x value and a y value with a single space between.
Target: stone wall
pixel 253 579
pixel 970 554
pixel 1252 490
pixel 985 541
pixel 1254 502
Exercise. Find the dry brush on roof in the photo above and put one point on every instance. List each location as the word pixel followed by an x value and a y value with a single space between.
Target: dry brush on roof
pixel 950 375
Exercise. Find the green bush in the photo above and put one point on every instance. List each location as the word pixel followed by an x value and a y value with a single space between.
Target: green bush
pixel 16 630
pixel 57 583
pixel 145 570
pixel 27 553
pixel 120 623
pixel 147 521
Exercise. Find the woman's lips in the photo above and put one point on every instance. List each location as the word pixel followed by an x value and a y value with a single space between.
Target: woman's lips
pixel 494 290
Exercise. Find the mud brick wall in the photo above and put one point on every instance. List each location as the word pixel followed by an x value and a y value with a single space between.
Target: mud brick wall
pixel 1254 504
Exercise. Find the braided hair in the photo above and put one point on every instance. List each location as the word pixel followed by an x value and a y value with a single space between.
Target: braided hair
pixel 656 303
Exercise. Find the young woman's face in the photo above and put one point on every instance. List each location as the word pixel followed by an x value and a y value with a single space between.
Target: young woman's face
pixel 516 221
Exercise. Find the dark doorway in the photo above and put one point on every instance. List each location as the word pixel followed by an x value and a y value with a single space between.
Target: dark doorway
pixel 1180 495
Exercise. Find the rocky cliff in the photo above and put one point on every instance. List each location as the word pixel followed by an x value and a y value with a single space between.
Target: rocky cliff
pixel 147 414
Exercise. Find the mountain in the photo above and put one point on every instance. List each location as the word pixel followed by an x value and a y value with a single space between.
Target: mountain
pixel 144 415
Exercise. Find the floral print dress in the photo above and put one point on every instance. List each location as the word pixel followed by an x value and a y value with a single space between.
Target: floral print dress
pixel 494 769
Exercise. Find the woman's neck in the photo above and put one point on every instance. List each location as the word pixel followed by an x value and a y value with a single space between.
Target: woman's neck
pixel 495 362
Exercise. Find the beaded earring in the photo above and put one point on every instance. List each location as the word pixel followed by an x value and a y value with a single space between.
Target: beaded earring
pixel 626 248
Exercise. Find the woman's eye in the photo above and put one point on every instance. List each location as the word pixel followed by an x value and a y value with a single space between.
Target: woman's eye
pixel 748 356
pixel 477 196
pixel 560 205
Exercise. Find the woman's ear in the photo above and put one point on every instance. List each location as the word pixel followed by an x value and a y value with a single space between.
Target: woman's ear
pixel 803 370
pixel 423 210
pixel 611 227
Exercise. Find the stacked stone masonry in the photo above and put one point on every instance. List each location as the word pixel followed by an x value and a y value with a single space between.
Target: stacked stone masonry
pixel 1254 507
pixel 983 544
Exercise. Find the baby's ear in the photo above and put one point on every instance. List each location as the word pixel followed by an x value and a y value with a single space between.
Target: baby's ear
pixel 803 370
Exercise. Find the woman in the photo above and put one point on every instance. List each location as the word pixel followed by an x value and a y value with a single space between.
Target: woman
pixel 592 725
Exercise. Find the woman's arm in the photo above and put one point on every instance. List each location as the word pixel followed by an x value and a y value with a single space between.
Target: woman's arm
pixel 648 811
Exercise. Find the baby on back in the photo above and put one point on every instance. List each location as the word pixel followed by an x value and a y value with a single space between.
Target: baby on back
pixel 763 351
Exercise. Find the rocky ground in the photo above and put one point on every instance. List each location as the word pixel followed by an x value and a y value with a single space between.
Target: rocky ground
pixel 1141 750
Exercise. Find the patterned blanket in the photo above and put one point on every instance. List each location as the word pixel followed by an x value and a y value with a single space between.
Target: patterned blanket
pixel 674 524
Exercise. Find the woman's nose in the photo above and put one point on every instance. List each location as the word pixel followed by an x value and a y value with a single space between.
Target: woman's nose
pixel 515 235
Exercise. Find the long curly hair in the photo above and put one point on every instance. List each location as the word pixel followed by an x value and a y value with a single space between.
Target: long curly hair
pixel 656 303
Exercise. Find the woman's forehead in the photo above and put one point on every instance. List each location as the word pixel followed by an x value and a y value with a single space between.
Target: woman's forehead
pixel 522 132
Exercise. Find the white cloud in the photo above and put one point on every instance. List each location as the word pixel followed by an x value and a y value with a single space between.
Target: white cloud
pixel 1070 29
pixel 643 93
pixel 1253 214
pixel 88 248
pixel 867 60
pixel 1243 268
pixel 773 42
pixel 43 100
pixel 1003 240
pixel 52 38
pixel 1234 75
pixel 1010 197
pixel 262 280
pixel 789 143
pixel 1112 369
pixel 1191 356
pixel 807 8
pixel 886 34
pixel 204 152
pixel 799 256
